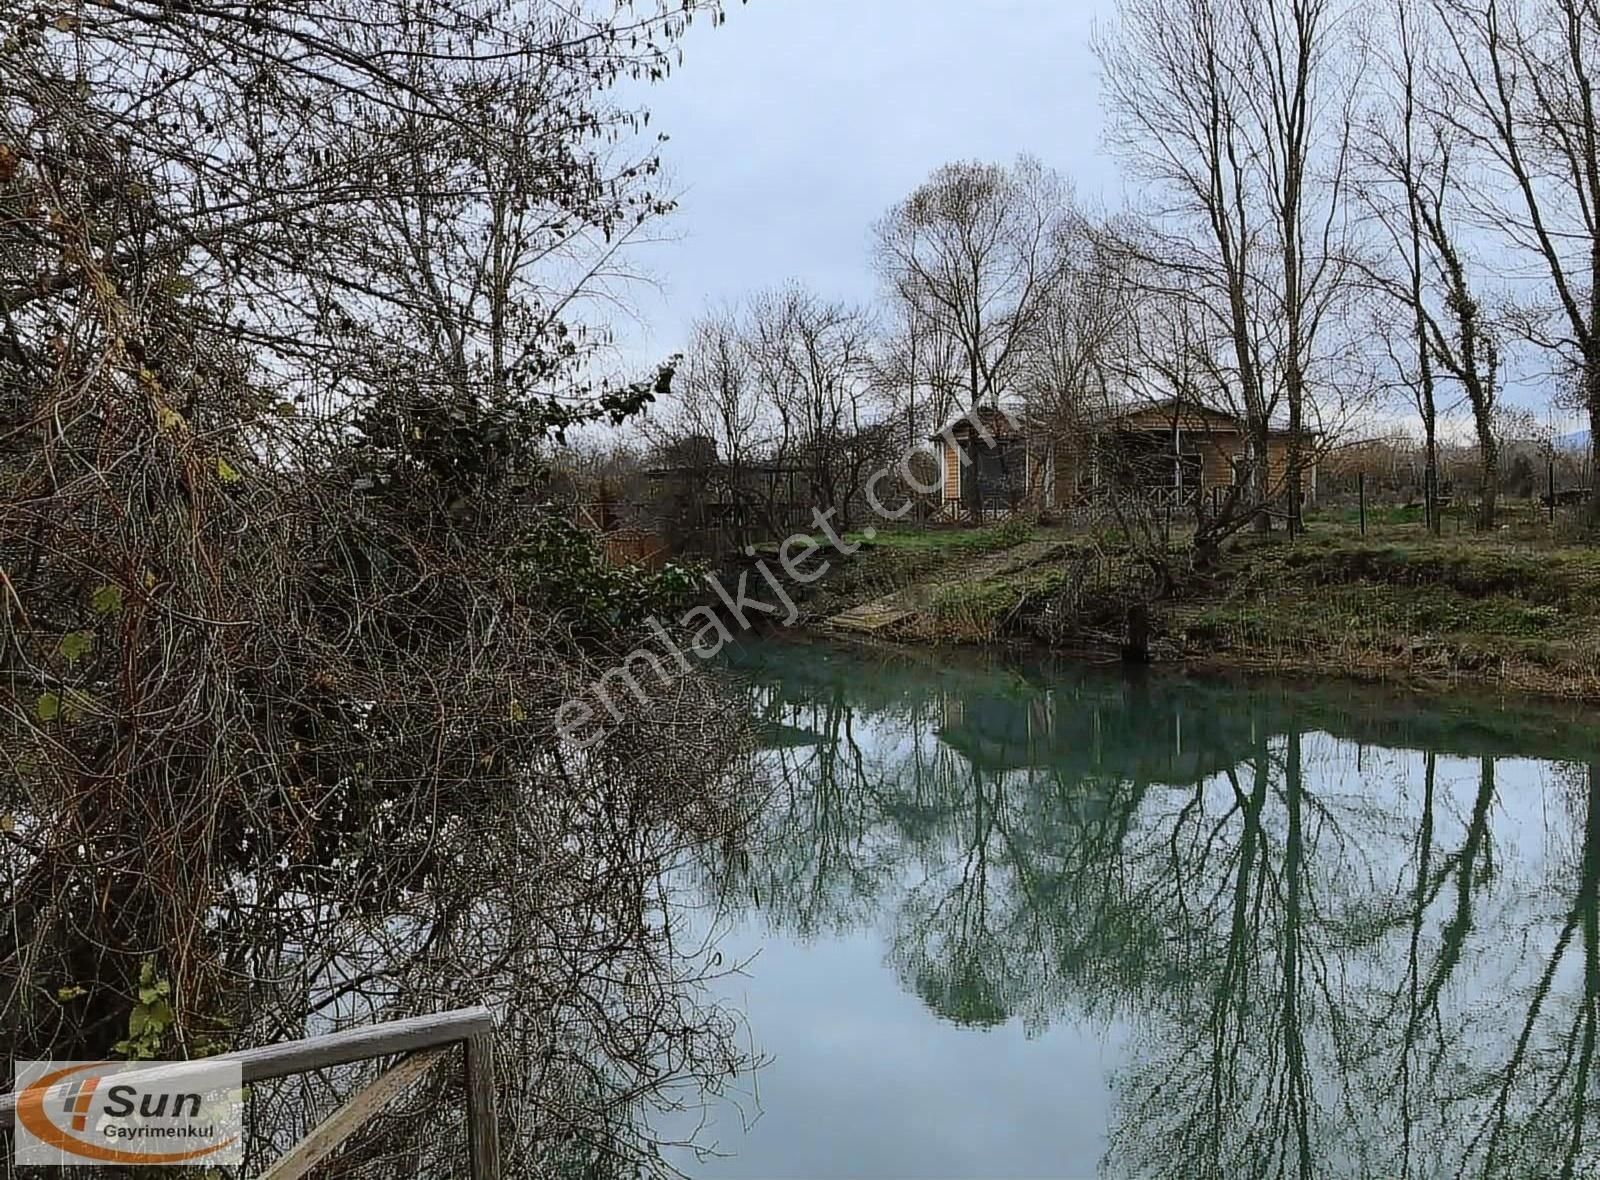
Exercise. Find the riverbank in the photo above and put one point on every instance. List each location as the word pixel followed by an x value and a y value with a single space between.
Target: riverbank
pixel 1514 611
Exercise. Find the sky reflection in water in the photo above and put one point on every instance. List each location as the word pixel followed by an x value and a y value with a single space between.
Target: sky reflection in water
pixel 1054 921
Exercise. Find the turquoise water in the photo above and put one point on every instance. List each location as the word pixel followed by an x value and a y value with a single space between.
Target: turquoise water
pixel 1011 921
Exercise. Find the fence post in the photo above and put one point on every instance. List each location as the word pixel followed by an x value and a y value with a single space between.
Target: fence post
pixel 483 1120
pixel 1361 490
pixel 1550 477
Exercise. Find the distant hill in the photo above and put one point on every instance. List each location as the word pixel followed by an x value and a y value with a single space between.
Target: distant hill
pixel 1573 442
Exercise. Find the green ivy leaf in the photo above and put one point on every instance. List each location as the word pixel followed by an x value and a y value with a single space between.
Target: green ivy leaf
pixel 107 600
pixel 64 994
pixel 47 707
pixel 225 471
pixel 76 644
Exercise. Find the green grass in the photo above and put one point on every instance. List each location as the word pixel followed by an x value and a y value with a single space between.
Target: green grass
pixel 1484 606
pixel 897 558
pixel 1519 607
pixel 994 599
pixel 954 541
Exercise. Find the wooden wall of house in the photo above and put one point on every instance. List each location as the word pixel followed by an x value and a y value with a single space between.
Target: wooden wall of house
pixel 1216 460
pixel 952 472
pixel 1218 452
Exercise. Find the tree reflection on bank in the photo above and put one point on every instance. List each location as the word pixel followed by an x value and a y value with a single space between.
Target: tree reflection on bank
pixel 1354 933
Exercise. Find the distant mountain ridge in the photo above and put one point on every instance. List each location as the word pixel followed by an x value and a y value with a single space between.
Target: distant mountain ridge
pixel 1573 442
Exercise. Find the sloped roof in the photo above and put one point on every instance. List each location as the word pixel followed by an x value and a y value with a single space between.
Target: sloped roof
pixel 1219 419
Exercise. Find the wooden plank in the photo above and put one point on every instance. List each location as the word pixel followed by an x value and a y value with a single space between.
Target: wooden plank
pixel 483 1116
pixel 331 1132
pixel 340 1048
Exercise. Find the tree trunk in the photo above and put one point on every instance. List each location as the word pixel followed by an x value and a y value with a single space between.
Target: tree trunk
pixel 1430 475
pixel 1294 477
pixel 1591 380
pixel 1260 477
pixel 1491 487
pixel 1489 472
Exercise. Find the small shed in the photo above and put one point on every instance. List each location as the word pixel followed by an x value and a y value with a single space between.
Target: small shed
pixel 994 464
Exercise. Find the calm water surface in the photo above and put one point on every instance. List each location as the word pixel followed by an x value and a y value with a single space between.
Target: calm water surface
pixel 1011 921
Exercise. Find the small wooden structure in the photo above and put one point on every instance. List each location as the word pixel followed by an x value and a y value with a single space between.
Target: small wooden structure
pixel 423 1039
pixel 995 463
pixel 714 506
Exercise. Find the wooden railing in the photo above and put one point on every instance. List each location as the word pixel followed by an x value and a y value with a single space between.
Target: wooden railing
pixel 423 1039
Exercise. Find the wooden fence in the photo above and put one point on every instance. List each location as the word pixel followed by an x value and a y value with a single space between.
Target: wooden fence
pixel 423 1039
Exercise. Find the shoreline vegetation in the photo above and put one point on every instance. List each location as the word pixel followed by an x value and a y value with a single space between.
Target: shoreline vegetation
pixel 1518 610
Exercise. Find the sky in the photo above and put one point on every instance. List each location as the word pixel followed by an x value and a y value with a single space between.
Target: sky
pixel 798 123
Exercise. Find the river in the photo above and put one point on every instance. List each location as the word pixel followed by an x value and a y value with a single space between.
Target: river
pixel 1039 920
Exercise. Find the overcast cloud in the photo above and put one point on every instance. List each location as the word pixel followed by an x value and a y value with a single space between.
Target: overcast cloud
pixel 798 123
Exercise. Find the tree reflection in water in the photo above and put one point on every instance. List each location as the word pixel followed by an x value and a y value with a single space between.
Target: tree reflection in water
pixel 1345 949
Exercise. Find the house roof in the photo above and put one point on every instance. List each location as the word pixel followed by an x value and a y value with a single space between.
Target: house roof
pixel 1217 419
pixel 989 415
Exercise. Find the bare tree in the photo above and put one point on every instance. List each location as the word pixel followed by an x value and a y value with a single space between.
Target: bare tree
pixel 970 254
pixel 819 354
pixel 716 400
pixel 1524 95
pixel 1306 79
pixel 1072 370
pixel 1420 155
pixel 917 374
pixel 1395 149
pixel 1176 89
pixel 1241 112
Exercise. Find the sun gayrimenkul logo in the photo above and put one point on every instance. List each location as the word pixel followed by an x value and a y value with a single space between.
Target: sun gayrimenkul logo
pixel 145 1113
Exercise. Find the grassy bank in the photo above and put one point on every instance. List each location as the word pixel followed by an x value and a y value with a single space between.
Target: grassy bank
pixel 891 561
pixel 1436 610
pixel 1518 609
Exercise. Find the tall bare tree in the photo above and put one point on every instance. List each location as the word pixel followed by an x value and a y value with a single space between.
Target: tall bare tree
pixel 1176 89
pixel 970 254
pixel 819 356
pixel 1415 153
pixel 1523 93
pixel 1306 79
pixel 1071 366
pixel 1241 111
pixel 1395 144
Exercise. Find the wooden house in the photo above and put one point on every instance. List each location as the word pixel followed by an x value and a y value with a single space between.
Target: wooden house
pixel 997 463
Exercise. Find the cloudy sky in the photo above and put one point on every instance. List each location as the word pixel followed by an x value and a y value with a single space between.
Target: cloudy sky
pixel 798 123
